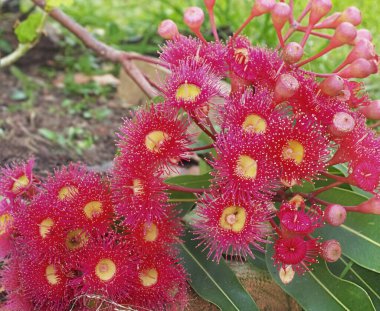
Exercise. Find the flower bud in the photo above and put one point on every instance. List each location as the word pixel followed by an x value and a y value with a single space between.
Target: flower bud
pixel 335 215
pixel 194 17
pixel 362 49
pixel 262 6
pixel 319 8
pixel 292 53
pixel 209 4
pixel 343 123
pixel 345 33
pixel 286 87
pixel 280 14
pixel 363 34
pixel 331 250
pixel 360 68
pixel 286 275
pixel 351 15
pixel 168 29
pixel 371 206
pixel 332 85
pixel 372 110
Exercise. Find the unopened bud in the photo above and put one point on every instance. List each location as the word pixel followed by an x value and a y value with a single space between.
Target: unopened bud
pixel 335 215
pixel 194 17
pixel 342 123
pixel 292 53
pixel 209 4
pixel 371 206
pixel 319 8
pixel 286 275
pixel 331 250
pixel 363 34
pixel 362 49
pixel 286 87
pixel 345 33
pixel 280 14
pixel 372 110
pixel 168 29
pixel 360 68
pixel 262 7
pixel 351 15
pixel 332 85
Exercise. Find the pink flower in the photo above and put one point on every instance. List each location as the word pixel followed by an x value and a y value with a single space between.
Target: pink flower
pixel 228 225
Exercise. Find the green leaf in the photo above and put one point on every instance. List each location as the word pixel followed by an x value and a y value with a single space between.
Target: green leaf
pixel 27 30
pixel 214 282
pixel 359 235
pixel 191 181
pixel 319 289
pixel 368 280
pixel 51 4
pixel 306 187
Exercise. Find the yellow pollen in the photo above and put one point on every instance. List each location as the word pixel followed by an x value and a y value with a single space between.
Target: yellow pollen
pixel 5 221
pixel 233 218
pixel 67 193
pixel 45 227
pixel 254 124
pixel 148 277
pixel 241 56
pixel 51 275
pixel 246 167
pixel 93 209
pixel 20 183
pixel 293 151
pixel 76 239
pixel 154 140
pixel 137 187
pixel 151 232
pixel 188 92
pixel 105 270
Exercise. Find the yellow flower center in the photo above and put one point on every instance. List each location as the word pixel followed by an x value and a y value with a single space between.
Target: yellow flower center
pixel 188 92
pixel 154 140
pixel 67 193
pixel 293 150
pixel 93 209
pixel 233 218
pixel 148 277
pixel 137 187
pixel 105 270
pixel 76 239
pixel 20 183
pixel 151 232
pixel 5 221
pixel 254 124
pixel 45 227
pixel 241 56
pixel 246 167
pixel 51 275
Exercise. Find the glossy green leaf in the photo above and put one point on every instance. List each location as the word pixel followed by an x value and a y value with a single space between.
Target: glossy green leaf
pixel 359 235
pixel 27 30
pixel 214 282
pixel 191 181
pixel 320 290
pixel 368 280
pixel 305 187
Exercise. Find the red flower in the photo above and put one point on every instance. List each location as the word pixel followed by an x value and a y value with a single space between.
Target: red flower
pixel 230 226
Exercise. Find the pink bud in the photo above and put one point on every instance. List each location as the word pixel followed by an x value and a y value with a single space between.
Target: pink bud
pixel 371 206
pixel 344 33
pixel 262 6
pixel 331 250
pixel 332 85
pixel 374 65
pixel 292 53
pixel 351 15
pixel 363 34
pixel 280 14
pixel 168 29
pixel 319 8
pixel 360 68
pixel 343 123
pixel 209 4
pixel 286 87
pixel 362 49
pixel 372 110
pixel 329 22
pixel 194 17
pixel 335 215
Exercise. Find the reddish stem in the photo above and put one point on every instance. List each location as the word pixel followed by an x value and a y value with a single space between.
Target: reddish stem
pixel 317 34
pixel 200 148
pixel 336 177
pixel 247 21
pixel 213 25
pixel 320 190
pixel 202 127
pixel 372 126
pixel 275 227
pixel 185 189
